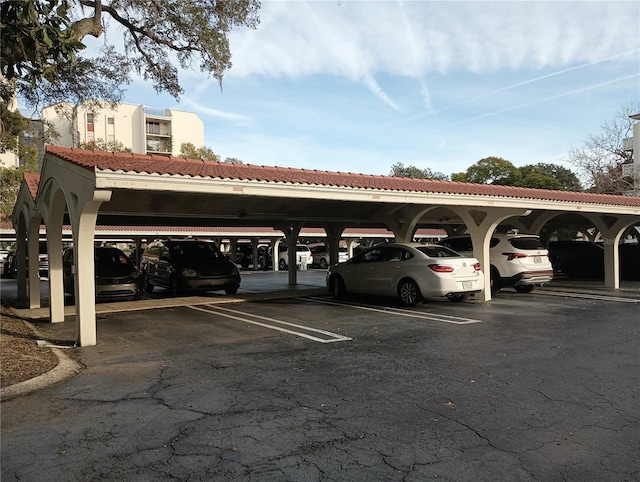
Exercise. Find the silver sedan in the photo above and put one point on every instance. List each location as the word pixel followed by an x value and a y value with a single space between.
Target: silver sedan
pixel 409 271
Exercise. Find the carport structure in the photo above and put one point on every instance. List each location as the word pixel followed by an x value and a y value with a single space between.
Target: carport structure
pixel 88 188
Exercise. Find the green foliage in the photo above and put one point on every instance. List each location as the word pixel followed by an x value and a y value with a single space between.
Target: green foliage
pixel 11 179
pixel 547 176
pixel 495 170
pixel 102 145
pixel 399 170
pixel 41 40
pixel 490 170
pixel 12 124
pixel 189 151
pixel 36 39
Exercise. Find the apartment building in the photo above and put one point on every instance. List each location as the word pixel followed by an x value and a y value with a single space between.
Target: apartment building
pixel 144 130
pixel 632 169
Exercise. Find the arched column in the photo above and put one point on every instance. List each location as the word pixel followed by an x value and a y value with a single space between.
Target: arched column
pixel 402 220
pixel 291 232
pixel 334 234
pixel 611 230
pixel 21 256
pixel 481 223
pixel 33 255
pixel 83 223
pixel 52 209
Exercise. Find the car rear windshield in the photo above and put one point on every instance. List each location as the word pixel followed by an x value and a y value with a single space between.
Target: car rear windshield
pixel 196 251
pixel 526 243
pixel 110 257
pixel 438 252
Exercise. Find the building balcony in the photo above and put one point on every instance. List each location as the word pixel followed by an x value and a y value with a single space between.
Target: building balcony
pixel 159 146
pixel 627 144
pixel 629 170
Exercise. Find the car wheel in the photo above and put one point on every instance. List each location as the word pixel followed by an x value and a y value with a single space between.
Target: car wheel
pixel 457 297
pixel 282 265
pixel 148 287
pixel 524 288
pixel 231 290
pixel 174 287
pixel 323 263
pixel 496 284
pixel 409 292
pixel 338 288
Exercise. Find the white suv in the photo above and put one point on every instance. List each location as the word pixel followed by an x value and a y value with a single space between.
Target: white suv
pixel 321 255
pixel 304 258
pixel 518 260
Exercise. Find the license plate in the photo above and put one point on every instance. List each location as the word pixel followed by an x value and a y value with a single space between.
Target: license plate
pixel 467 285
pixel 537 259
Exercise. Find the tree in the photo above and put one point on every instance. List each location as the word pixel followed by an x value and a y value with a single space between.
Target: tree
pixel 11 179
pixel 547 176
pixel 490 170
pixel 189 151
pixel 41 40
pixel 399 170
pixel 601 157
pixel 101 145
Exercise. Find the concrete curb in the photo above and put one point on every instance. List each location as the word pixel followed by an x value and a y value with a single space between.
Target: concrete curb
pixel 65 369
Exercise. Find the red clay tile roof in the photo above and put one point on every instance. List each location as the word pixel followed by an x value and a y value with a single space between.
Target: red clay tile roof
pixel 32 180
pixel 153 164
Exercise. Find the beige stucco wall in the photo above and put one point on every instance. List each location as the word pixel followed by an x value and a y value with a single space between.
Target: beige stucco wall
pixel 186 127
pixel 129 127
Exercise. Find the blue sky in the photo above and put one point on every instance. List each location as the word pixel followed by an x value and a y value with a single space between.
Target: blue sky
pixel 357 86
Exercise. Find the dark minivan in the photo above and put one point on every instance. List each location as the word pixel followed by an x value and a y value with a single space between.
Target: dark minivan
pixel 184 265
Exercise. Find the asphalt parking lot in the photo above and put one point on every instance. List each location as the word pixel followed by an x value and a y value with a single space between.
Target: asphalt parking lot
pixel 540 386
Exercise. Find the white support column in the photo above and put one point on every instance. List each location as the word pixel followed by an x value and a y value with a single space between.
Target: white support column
pixel 21 258
pixel 53 215
pixel 402 221
pixel 481 223
pixel 334 233
pixel 611 230
pixel 254 253
pixel 33 252
pixel 275 253
pixel 83 223
pixel 291 233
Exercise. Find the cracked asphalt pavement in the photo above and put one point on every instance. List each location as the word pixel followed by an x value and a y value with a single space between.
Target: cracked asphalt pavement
pixel 526 387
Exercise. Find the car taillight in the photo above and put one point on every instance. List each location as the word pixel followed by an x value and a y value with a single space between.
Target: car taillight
pixel 511 256
pixel 441 268
pixel 477 267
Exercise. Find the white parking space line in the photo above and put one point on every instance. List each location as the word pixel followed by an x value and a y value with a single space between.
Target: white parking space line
pixel 588 296
pixel 272 323
pixel 456 320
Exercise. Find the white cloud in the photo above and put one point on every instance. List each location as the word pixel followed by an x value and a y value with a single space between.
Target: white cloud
pixel 361 39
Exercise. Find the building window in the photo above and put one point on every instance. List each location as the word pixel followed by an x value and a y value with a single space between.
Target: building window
pixel 110 121
pixel 153 128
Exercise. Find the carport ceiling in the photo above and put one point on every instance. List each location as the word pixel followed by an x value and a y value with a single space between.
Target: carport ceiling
pixel 147 208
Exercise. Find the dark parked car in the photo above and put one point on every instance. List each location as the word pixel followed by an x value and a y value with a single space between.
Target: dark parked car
pixel 184 265
pixel 116 276
pixel 585 260
pixel 577 259
pixel 10 267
